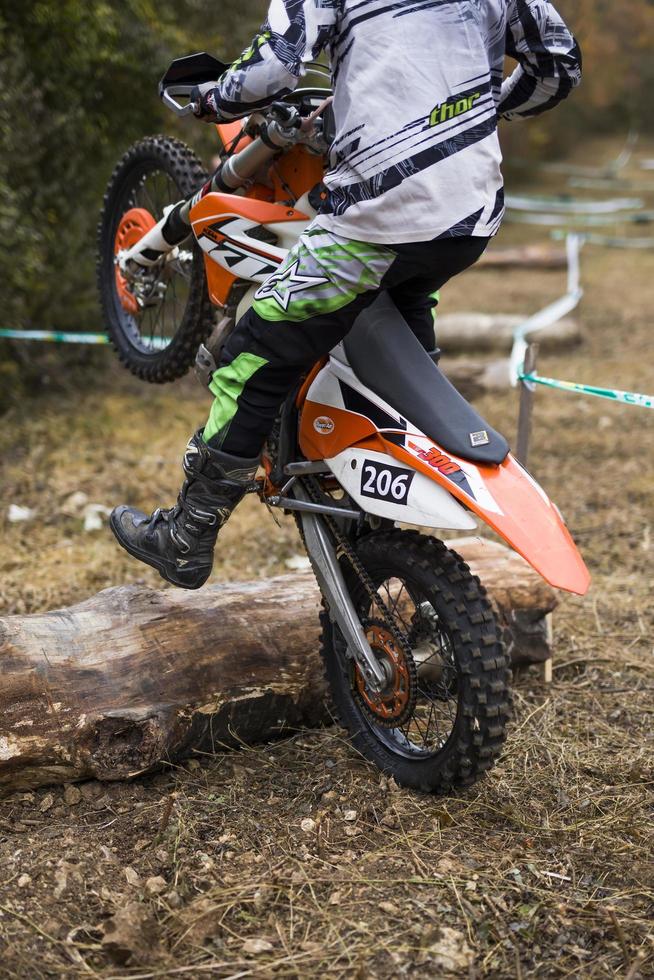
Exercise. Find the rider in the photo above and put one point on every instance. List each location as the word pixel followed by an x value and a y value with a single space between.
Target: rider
pixel 414 195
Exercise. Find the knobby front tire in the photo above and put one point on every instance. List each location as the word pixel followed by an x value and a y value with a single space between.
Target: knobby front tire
pixel 466 684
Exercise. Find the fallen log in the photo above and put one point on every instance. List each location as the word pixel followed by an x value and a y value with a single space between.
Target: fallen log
pixel 478 332
pixel 524 257
pixel 114 686
pixel 474 377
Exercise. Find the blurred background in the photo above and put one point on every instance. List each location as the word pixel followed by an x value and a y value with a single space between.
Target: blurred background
pixel 78 83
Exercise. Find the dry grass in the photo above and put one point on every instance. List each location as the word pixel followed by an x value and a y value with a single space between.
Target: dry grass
pixel 543 870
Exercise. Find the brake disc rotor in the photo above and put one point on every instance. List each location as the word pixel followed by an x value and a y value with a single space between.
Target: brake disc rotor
pixel 394 705
pixel 133 226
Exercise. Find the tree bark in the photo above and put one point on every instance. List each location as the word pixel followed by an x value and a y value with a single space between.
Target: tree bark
pixel 112 687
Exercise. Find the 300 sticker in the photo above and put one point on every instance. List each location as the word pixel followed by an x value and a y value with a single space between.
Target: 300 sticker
pixel 385 482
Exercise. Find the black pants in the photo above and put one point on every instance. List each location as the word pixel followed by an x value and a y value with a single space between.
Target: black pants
pixel 302 311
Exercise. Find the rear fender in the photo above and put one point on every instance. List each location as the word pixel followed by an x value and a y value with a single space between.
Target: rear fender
pixel 379 486
pixel 506 497
pixel 511 502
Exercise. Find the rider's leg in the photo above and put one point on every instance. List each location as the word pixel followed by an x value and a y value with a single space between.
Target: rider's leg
pixel 416 301
pixel 179 541
pixel 419 272
pixel 299 314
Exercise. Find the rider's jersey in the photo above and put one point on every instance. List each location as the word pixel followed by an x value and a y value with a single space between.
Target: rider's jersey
pixel 417 94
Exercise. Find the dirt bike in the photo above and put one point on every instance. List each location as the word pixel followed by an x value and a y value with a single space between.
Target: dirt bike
pixel 373 438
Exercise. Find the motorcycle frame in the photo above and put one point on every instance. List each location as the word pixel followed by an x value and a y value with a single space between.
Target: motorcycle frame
pixel 234 231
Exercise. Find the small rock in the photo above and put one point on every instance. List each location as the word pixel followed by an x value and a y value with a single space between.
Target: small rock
pixel 132 876
pixel 156 885
pixel 256 946
pixel 174 899
pixel 350 816
pixel 297 563
pixel 61 884
pixel 24 881
pixel 74 504
pixel 72 796
pixel 308 825
pixel 16 513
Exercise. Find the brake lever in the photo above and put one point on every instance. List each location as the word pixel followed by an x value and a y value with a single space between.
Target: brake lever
pixel 170 103
pixel 285 116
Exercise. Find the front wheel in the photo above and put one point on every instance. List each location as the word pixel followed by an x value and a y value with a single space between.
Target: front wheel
pixel 442 721
pixel 157 328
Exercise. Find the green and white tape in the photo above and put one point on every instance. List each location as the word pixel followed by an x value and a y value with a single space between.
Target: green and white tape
pixel 61 337
pixel 612 394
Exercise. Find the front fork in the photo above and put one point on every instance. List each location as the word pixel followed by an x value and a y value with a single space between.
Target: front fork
pixel 333 587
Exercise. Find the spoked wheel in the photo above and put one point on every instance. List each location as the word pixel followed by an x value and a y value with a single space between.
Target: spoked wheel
pixel 442 718
pixel 157 318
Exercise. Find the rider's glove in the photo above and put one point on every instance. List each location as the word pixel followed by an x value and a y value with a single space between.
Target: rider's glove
pixel 204 99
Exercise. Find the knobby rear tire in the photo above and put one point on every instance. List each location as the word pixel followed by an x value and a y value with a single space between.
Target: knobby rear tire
pixel 483 677
pixel 179 162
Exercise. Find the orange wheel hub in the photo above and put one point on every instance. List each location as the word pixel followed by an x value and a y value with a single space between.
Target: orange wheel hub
pixel 391 703
pixel 133 226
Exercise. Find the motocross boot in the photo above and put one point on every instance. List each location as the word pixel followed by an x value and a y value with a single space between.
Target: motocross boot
pixel 179 542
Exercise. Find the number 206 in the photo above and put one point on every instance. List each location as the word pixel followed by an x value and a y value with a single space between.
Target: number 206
pixel 382 482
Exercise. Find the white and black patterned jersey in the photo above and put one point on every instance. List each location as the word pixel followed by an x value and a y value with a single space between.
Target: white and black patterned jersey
pixel 417 94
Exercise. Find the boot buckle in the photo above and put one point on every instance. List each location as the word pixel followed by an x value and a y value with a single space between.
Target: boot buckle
pixel 179 542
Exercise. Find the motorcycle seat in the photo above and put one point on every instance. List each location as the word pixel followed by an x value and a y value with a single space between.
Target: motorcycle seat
pixel 387 357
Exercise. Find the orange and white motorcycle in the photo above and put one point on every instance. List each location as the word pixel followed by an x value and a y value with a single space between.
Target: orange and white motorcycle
pixel 374 438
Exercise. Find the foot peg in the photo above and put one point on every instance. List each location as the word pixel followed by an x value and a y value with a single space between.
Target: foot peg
pixel 205 365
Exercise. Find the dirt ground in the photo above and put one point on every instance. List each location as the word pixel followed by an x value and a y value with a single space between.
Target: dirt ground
pixel 545 869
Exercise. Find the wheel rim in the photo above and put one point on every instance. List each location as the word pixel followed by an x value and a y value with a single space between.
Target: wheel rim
pixel 147 191
pixel 391 704
pixel 133 226
pixel 432 722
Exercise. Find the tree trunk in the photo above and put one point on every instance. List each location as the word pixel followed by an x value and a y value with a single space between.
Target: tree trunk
pixel 113 686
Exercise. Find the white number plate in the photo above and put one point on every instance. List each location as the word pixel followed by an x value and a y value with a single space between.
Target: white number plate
pixel 385 482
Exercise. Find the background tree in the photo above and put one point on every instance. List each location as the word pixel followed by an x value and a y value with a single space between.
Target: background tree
pixel 78 85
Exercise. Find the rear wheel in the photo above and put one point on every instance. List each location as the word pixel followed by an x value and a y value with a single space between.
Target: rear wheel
pixel 442 719
pixel 157 327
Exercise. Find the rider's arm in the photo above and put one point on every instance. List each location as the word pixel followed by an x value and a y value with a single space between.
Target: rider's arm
pixel 548 56
pixel 295 32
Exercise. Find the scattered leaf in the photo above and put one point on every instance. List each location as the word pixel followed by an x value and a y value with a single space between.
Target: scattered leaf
pixel 72 795
pixel 46 803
